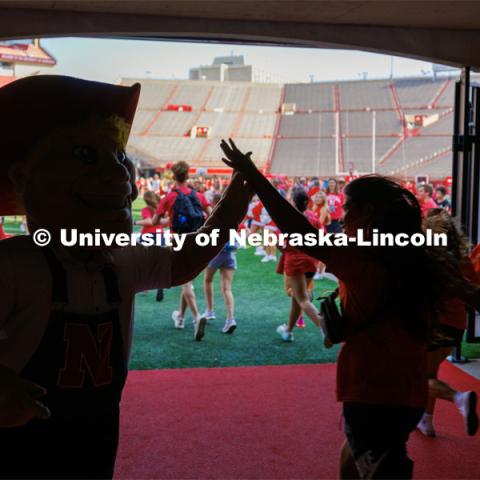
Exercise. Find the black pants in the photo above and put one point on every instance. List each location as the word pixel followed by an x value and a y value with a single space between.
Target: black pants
pixel 377 435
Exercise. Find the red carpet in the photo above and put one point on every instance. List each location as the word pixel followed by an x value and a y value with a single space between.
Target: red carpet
pixel 263 422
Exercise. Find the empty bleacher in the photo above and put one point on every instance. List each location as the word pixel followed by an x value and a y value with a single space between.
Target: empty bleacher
pixel 256 125
pixel 221 124
pixel 227 98
pixel 361 123
pixel 154 93
pixel 303 142
pixel 304 157
pixel 361 95
pixel 307 125
pixel 357 152
pixel 310 96
pixel 172 124
pixel 418 92
pixel 264 98
pixel 415 149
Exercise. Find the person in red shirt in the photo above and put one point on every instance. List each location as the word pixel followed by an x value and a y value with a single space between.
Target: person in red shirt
pixel 452 324
pixel 151 200
pixel 335 201
pixel 299 269
pixel 387 315
pixel 424 195
pixel 165 207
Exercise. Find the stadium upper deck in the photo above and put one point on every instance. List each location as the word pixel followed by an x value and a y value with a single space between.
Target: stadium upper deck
pixel 404 125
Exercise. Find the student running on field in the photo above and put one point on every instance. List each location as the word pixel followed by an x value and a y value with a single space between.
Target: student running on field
pixel 226 262
pixel 180 222
pixel 299 269
pixel 449 334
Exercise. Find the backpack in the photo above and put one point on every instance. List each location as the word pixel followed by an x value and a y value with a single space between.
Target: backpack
pixel 187 213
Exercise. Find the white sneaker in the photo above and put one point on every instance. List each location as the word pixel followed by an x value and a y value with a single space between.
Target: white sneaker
pixel 273 258
pixel 260 252
pixel 317 276
pixel 467 405
pixel 178 321
pixel 265 259
pixel 426 427
pixel 209 315
pixel 284 333
pixel 230 326
pixel 200 328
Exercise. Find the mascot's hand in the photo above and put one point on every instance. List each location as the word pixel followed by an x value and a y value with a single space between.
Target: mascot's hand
pixel 19 400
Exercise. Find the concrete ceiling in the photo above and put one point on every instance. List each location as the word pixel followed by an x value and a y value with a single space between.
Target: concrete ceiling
pixel 442 31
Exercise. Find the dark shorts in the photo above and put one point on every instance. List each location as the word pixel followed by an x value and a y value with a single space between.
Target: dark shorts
pixel 377 436
pixel 445 336
pixel 224 260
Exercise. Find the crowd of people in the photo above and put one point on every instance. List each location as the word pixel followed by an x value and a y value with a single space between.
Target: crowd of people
pixel 66 315
pixel 383 409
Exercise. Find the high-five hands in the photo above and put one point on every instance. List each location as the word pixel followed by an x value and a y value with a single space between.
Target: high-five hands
pixel 236 159
pixel 19 400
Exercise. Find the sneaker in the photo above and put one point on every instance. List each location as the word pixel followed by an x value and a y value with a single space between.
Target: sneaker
pixel 200 328
pixel 260 252
pixel 318 276
pixel 284 333
pixel 468 409
pixel 209 315
pixel 230 326
pixel 178 321
pixel 300 322
pixel 426 427
pixel 265 259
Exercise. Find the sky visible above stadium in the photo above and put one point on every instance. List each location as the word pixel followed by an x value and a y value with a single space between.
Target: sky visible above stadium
pixel 110 59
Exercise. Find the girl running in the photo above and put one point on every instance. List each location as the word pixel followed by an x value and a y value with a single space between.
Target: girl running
pixel 299 270
pixel 387 315
pixel 226 262
pixel 450 333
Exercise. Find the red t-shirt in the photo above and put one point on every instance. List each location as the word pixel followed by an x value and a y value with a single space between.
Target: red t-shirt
pixel 382 364
pixel 427 205
pixel 147 212
pixel 335 205
pixel 166 203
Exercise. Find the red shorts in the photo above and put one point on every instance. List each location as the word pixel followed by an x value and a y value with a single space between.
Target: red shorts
pixel 293 262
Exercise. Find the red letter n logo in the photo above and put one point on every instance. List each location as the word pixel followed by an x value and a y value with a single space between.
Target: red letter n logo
pixel 85 352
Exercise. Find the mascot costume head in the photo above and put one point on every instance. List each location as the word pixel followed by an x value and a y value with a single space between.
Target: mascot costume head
pixel 63 158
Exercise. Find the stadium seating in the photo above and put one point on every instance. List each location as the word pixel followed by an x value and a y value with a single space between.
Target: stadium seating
pixel 326 129
pixel 310 96
pixel 357 95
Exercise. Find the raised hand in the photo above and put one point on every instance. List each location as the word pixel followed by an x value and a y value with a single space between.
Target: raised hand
pixel 236 159
pixel 19 400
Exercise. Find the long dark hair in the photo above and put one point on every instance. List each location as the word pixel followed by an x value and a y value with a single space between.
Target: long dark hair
pixel 420 277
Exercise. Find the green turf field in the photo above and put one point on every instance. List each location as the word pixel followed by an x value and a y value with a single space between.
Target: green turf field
pixel 261 306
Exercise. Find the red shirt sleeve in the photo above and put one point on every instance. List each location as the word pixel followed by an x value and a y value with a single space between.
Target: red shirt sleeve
pixel 164 205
